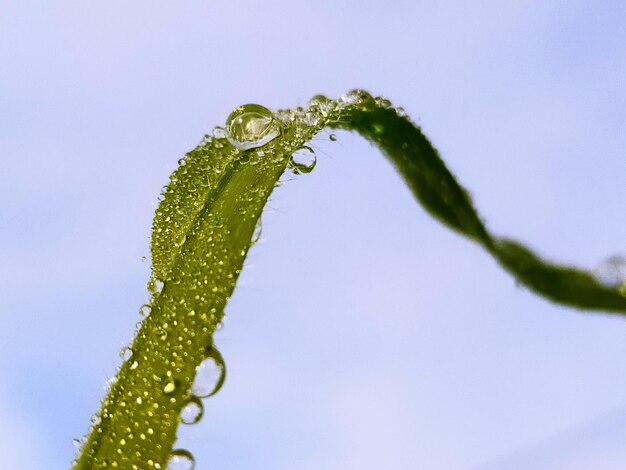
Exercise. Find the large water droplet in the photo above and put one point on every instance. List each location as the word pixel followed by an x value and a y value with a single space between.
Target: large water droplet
pixel 181 459
pixel 210 374
pixel 192 411
pixel 303 161
pixel 612 272
pixel 250 126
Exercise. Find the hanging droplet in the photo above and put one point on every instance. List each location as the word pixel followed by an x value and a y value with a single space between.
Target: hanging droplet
pixel 250 126
pixel 333 138
pixel 192 411
pixel 77 443
pixel 612 272
pixel 303 161
pixel 210 374
pixel 181 459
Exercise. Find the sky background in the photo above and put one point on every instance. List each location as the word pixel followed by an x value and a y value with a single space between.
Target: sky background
pixel 363 334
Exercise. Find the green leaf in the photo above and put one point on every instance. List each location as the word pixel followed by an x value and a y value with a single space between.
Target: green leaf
pixel 442 196
pixel 203 229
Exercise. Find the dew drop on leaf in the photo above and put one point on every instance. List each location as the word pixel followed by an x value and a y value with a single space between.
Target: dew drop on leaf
pixel 258 230
pixel 612 272
pixel 155 286
pixel 181 459
pixel 210 374
pixel 144 310
pixel 250 126
pixel 356 97
pixel 322 105
pixel 170 387
pixel 192 411
pixel 126 353
pixel 219 132
pixel 303 161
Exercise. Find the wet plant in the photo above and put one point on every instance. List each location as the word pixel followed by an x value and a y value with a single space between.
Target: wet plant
pixel 206 221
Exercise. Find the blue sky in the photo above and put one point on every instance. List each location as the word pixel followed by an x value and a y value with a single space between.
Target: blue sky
pixel 363 334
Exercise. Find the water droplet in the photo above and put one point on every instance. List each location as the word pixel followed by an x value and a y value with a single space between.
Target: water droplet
pixel 318 100
pixel 155 286
pixel 144 259
pixel 181 459
pixel 303 161
pixel 382 102
pixel 77 443
pixel 311 119
pixel 612 272
pixel 192 412
pixel 284 115
pixel 258 230
pixel 144 310
pixel 210 374
pixel 250 126
pixel 219 132
pixel 126 353
pixel 170 387
pixel 356 97
pixel 322 105
pixel 333 138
